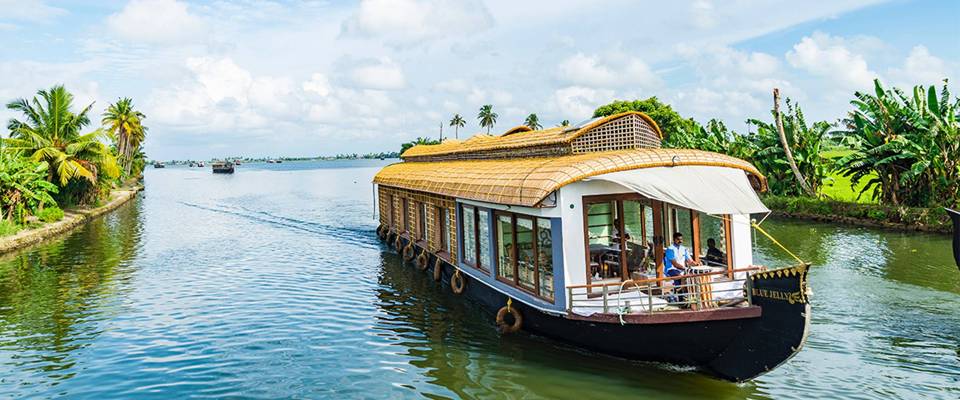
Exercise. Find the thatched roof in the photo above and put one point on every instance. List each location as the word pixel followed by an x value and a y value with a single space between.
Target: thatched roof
pixel 527 181
pixel 517 138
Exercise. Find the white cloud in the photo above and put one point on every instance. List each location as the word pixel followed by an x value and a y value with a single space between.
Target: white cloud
pixel 411 21
pixel 920 68
pixel 617 70
pixel 29 10
pixel 383 74
pixel 156 21
pixel 577 102
pixel 453 86
pixel 22 79
pixel 703 14
pixel 829 57
pixel 318 84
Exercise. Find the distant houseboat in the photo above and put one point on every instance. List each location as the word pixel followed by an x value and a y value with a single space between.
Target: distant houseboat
pixel 563 232
pixel 222 167
pixel 159 164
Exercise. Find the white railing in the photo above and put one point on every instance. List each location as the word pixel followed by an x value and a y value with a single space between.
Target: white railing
pixel 701 291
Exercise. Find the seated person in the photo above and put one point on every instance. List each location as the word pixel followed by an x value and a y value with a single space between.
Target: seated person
pixel 715 257
pixel 677 258
pixel 616 232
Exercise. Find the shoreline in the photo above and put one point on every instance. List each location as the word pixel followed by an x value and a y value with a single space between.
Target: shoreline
pixel 71 219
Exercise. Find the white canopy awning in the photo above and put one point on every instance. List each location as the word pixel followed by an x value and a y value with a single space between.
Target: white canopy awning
pixel 713 190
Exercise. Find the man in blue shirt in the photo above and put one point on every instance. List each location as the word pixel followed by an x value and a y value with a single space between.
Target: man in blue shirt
pixel 677 258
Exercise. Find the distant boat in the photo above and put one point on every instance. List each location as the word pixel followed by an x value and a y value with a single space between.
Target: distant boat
pixel 224 167
pixel 159 165
pixel 271 161
pixel 279 161
pixel 193 164
pixel 236 162
pixel 200 164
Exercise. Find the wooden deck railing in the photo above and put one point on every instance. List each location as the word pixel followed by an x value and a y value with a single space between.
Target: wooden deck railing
pixel 695 292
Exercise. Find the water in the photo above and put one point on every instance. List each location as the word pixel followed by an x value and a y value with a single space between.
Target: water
pixel 270 283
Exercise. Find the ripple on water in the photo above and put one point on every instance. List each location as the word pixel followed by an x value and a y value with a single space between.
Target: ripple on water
pixel 271 284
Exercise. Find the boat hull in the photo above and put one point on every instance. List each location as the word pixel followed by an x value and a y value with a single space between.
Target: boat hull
pixel 955 216
pixel 735 344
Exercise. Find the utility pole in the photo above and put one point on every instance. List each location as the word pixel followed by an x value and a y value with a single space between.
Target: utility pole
pixel 786 147
pixel 441 131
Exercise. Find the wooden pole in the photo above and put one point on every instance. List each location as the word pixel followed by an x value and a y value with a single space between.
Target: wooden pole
pixel 786 147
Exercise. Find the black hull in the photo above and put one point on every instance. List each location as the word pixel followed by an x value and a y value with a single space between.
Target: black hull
pixel 223 170
pixel 740 344
pixel 955 216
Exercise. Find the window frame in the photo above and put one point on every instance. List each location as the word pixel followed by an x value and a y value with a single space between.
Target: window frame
pixel 535 232
pixel 421 209
pixel 478 264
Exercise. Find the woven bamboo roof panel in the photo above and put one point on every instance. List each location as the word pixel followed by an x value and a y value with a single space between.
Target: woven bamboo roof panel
pixel 527 181
pixel 517 138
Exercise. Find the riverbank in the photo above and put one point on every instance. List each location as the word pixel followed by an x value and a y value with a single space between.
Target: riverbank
pixel 862 214
pixel 72 218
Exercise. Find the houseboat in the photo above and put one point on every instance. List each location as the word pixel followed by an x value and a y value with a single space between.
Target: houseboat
pixel 563 232
pixel 222 167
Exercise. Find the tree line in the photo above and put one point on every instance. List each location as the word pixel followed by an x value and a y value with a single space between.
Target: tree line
pixel 897 148
pixel 51 160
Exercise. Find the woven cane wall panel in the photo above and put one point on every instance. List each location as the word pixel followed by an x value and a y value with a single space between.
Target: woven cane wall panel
pixel 629 132
pixel 414 200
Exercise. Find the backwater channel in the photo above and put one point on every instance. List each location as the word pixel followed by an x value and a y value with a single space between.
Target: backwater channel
pixel 270 283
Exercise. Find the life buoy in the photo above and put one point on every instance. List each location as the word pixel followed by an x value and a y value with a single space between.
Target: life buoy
pixel 423 260
pixel 382 232
pixel 457 282
pixel 438 269
pixel 408 252
pixel 502 324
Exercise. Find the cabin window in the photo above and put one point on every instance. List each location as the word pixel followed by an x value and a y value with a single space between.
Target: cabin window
pixel 422 221
pixel 406 215
pixel 714 230
pixel 682 221
pixel 545 257
pixel 483 223
pixel 469 236
pixel 525 253
pixel 443 227
pixel 604 233
pixel 505 248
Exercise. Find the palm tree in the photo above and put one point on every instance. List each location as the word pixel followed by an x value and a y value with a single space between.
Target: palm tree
pixel 565 123
pixel 533 122
pixel 487 117
pixel 457 122
pixel 51 135
pixel 125 125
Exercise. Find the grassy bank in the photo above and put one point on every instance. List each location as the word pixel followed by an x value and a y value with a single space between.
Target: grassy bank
pixel 866 214
pixel 72 218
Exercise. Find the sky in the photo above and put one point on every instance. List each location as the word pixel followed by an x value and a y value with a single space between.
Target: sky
pixel 267 78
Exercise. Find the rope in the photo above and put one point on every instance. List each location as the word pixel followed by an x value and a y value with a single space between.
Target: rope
pixel 509 303
pixel 759 229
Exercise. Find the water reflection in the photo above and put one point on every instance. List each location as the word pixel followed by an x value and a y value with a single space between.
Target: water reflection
pixel 53 297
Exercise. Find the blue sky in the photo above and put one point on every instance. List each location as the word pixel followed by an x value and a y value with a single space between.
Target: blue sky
pixel 267 78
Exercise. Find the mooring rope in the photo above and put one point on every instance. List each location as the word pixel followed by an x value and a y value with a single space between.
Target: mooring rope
pixel 759 229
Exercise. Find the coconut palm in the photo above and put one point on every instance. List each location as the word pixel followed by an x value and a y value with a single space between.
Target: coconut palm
pixel 565 123
pixel 457 122
pixel 50 134
pixel 125 125
pixel 533 122
pixel 487 117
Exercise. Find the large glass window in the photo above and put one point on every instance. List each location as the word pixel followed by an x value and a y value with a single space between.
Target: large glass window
pixel 526 259
pixel 603 230
pixel 484 224
pixel 638 237
pixel 469 236
pixel 713 240
pixel 505 248
pixel 545 257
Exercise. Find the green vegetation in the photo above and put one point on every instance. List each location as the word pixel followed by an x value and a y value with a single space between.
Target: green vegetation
pixel 50 214
pixel 457 122
pixel 533 122
pixel 49 159
pixel 894 150
pixel 419 140
pixel 931 219
pixel 487 117
pixel 8 228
